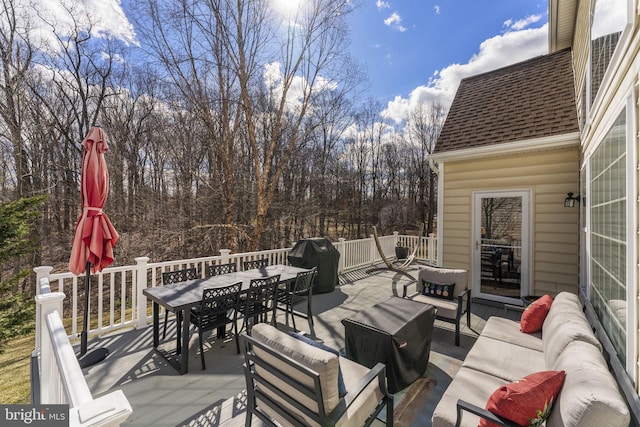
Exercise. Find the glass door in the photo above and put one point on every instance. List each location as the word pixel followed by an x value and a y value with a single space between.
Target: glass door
pixel 501 241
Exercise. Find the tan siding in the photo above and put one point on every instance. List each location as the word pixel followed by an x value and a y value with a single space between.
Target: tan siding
pixel 550 175
pixel 580 51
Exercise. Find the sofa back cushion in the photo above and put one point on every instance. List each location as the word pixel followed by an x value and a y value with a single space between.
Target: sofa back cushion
pixel 590 395
pixel 323 362
pixel 565 323
pixel 442 276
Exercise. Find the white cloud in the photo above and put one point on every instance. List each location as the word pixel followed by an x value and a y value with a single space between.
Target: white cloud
pixel 494 53
pixel 521 24
pixel 437 9
pixel 380 4
pixel 394 21
pixel 104 18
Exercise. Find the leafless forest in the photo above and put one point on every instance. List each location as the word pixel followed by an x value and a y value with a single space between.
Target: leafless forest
pixel 228 127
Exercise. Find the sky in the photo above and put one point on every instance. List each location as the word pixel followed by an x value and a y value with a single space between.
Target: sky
pixel 412 50
pixel 418 50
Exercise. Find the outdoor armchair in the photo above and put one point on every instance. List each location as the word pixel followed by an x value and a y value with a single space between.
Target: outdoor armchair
pixel 217 310
pixel 293 383
pixel 450 307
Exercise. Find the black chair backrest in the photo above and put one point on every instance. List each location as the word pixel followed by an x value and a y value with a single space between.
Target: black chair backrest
pixel 262 292
pixel 216 270
pixel 304 282
pixel 218 302
pixel 256 263
pixel 179 276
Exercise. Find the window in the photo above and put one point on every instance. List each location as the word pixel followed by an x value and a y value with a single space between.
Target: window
pixel 607 192
pixel 608 20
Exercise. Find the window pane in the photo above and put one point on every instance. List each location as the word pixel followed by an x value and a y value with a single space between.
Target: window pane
pixel 608 234
pixel 609 19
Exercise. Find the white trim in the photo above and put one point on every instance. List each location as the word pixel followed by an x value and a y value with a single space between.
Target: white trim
pixel 514 147
pixel 526 281
pixel 632 238
pixel 440 210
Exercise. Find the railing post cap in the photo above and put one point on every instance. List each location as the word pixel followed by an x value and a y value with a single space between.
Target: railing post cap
pixel 141 259
pixel 43 269
pixel 225 251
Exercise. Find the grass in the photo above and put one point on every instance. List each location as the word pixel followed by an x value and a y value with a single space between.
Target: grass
pixel 15 376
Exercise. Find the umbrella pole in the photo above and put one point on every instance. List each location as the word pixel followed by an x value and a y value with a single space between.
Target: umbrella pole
pixel 85 318
pixel 85 360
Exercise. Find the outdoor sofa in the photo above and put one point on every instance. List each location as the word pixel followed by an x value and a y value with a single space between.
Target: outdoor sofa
pixel 589 396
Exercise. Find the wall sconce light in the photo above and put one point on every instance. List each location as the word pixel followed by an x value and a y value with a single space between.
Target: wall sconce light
pixel 570 201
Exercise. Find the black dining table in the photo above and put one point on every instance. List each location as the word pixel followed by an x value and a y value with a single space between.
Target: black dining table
pixel 182 296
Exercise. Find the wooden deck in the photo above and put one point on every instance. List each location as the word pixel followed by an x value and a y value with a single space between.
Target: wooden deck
pixel 213 397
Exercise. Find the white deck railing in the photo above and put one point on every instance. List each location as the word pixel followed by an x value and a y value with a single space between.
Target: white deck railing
pixel 56 376
pixel 116 292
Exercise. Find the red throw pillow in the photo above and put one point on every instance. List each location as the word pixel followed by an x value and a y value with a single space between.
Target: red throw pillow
pixel 533 317
pixel 528 401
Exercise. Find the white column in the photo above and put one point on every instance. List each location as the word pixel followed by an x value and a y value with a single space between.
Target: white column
pixel 141 284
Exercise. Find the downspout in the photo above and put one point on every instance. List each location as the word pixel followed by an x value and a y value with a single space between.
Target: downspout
pixel 437 169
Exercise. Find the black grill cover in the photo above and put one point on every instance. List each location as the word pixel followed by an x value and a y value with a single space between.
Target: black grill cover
pixel 317 252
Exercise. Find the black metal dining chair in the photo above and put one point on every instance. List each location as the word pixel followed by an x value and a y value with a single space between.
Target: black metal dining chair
pixel 257 302
pixel 301 289
pixel 216 270
pixel 255 263
pixel 176 276
pixel 217 309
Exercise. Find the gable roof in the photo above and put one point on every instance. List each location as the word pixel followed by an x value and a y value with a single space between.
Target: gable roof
pixel 525 101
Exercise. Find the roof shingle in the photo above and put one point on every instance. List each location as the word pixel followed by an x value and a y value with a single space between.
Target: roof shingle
pixel 531 99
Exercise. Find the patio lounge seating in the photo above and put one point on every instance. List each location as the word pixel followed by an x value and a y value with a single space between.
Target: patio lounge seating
pixel 449 310
pixel 295 383
pixel 503 354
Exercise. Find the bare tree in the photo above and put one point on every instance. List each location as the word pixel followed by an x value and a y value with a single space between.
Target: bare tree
pixel 423 129
pixel 16 54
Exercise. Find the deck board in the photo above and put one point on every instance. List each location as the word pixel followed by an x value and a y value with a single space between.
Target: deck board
pixel 160 396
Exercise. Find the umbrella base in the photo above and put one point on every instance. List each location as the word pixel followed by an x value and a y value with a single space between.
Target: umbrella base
pixel 93 357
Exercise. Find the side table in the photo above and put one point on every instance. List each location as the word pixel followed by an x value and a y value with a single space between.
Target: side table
pixel 396 332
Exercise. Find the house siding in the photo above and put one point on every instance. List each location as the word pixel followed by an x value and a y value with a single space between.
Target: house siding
pixel 550 175
pixel 580 51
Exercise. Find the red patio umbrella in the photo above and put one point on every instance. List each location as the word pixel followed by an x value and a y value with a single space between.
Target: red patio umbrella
pixel 95 236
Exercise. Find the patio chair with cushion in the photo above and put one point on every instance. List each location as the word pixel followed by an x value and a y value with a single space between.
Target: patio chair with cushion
pixel 447 290
pixel 255 263
pixel 176 276
pixel 257 302
pixel 294 383
pixel 216 270
pixel 301 289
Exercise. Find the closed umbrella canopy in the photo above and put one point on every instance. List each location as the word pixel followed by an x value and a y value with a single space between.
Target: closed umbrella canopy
pixel 95 236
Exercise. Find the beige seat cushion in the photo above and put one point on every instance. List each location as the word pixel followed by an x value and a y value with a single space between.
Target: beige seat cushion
pixel 470 385
pixel 508 330
pixel 446 308
pixel 503 360
pixel 564 324
pixel 590 395
pixel 326 364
